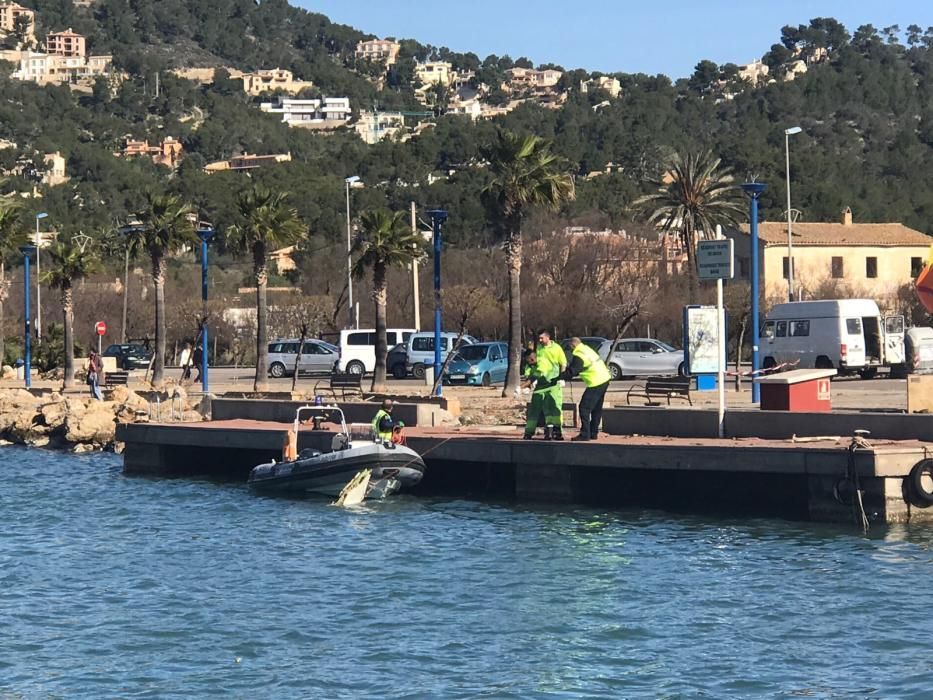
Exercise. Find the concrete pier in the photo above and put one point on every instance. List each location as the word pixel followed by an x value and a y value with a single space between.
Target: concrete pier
pixel 752 476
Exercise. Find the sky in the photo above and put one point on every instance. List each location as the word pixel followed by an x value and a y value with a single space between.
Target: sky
pixel 612 35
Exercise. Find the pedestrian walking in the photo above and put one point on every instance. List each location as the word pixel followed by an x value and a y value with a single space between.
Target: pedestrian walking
pixel 95 371
pixel 197 358
pixel 186 362
pixel 553 353
pixel 589 366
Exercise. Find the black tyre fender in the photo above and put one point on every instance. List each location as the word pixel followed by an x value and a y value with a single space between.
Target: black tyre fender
pixel 356 367
pixel 768 363
pixel 920 483
pixel 399 371
pixel 615 371
pixel 418 371
pixel 487 379
pixel 277 370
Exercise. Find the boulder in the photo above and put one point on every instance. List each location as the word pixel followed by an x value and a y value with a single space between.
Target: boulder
pixel 190 417
pixel 54 414
pixel 7 372
pixel 22 423
pixel 96 425
pixel 18 397
pixel 123 396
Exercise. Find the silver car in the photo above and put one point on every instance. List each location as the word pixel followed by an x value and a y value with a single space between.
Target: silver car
pixel 638 357
pixel 317 357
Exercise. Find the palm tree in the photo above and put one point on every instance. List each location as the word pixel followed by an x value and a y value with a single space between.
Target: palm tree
pixel 266 222
pixel 525 175
pixel 12 236
pixel 68 264
pixel 692 196
pixel 385 241
pixel 164 225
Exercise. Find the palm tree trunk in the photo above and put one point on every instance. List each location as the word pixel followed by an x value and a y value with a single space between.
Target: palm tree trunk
pixel 260 383
pixel 693 291
pixel 379 299
pixel 69 312
pixel 514 262
pixel 158 281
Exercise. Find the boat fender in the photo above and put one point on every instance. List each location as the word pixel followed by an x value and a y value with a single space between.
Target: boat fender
pixel 290 447
pixel 920 483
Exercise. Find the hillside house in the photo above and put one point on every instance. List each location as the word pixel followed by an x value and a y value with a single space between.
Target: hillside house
pixel 378 50
pixel 66 43
pixel 247 162
pixel 10 12
pixel 317 113
pixel 273 80
pixel 168 152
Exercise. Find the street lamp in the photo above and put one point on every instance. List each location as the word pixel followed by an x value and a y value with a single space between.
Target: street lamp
pixel 27 251
pixel 790 244
pixel 352 181
pixel 438 217
pixel 205 233
pixel 39 216
pixel 754 190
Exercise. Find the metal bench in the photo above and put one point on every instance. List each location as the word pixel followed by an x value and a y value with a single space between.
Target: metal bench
pixel 343 383
pixel 116 378
pixel 667 387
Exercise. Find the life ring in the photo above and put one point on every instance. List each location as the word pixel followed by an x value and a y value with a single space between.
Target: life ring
pixel 920 483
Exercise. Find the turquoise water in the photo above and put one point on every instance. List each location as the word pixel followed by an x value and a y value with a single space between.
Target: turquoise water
pixel 116 587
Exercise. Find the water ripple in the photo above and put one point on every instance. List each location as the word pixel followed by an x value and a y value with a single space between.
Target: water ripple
pixel 138 588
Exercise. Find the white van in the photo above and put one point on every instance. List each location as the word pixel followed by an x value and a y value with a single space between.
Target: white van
pixel 849 335
pixel 421 350
pixel 358 348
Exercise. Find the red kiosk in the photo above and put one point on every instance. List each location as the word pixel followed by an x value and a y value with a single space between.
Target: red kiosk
pixel 800 390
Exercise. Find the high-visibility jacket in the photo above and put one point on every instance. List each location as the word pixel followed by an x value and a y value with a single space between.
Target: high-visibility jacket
pixel 544 372
pixel 379 432
pixel 553 352
pixel 595 372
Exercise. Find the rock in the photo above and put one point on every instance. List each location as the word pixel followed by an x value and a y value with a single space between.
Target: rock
pixel 7 372
pixel 190 417
pixel 53 415
pixel 81 448
pixel 22 423
pixel 130 399
pixel 40 441
pixel 179 394
pixel 95 425
pixel 18 397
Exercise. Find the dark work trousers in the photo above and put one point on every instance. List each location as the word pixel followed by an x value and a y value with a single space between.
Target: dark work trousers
pixel 591 410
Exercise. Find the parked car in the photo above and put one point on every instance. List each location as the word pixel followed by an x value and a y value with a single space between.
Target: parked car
pixel 593 341
pixel 397 361
pixel 421 350
pixel 638 357
pixel 129 355
pixel 358 348
pixel 317 357
pixel 479 364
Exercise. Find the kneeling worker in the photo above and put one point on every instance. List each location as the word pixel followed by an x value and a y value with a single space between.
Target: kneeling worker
pixel 384 426
pixel 541 376
pixel 590 367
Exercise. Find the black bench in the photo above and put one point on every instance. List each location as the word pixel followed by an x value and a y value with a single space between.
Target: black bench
pixel 668 387
pixel 343 383
pixel 116 378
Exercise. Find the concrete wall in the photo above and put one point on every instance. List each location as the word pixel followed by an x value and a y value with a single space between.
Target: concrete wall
pixel 771 425
pixel 284 411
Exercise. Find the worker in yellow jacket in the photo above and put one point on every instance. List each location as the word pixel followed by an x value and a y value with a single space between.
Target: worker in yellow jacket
pixel 589 366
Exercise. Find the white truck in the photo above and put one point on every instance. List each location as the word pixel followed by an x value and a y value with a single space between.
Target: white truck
pixel 848 335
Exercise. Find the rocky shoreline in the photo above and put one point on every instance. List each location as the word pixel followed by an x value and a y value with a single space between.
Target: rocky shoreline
pixel 83 424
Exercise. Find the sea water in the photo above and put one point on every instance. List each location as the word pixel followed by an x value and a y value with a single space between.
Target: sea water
pixel 119 587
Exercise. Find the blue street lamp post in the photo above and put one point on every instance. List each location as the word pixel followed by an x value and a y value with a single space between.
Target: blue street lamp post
pixel 27 251
pixel 754 190
pixel 438 217
pixel 205 233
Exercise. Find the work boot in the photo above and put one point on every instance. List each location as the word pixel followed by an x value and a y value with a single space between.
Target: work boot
pixel 556 433
pixel 547 432
pixel 581 438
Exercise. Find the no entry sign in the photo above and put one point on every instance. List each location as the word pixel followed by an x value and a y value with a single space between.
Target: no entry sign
pixel 100 328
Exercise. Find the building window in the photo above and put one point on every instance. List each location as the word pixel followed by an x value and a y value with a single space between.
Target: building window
pixel 871 267
pixel 786 267
pixel 837 267
pixel 744 264
pixel 916 266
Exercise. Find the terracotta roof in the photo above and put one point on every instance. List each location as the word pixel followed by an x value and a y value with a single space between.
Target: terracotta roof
pixel 823 234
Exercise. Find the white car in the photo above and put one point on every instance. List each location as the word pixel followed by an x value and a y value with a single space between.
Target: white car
pixel 641 357
pixel 358 348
